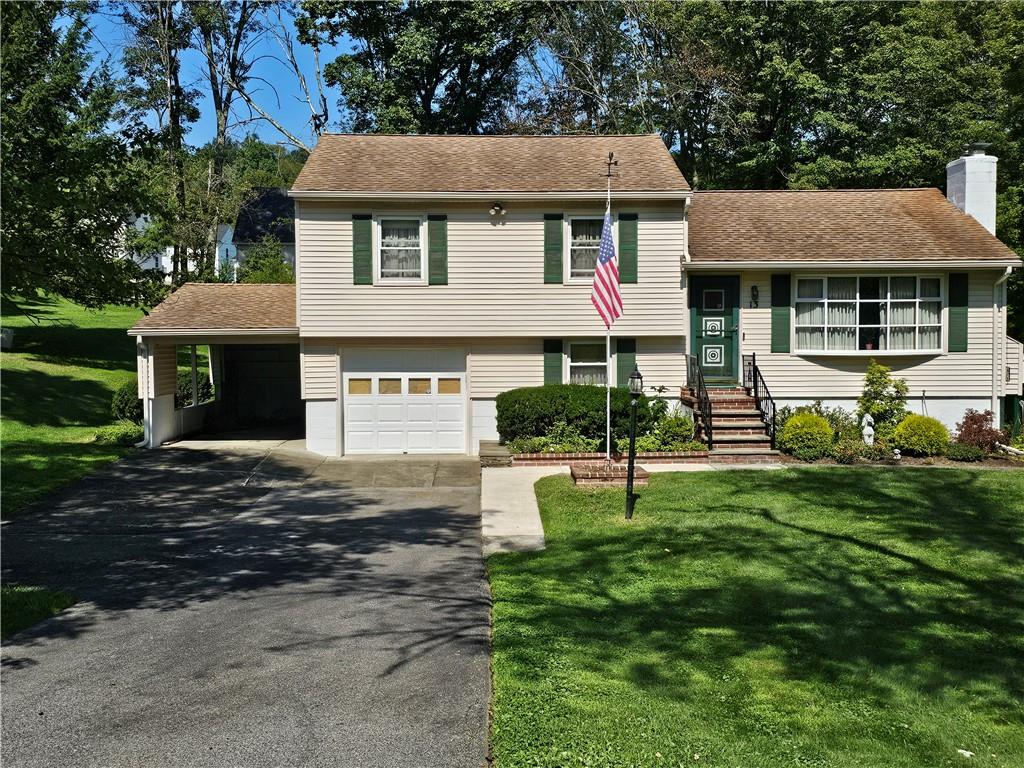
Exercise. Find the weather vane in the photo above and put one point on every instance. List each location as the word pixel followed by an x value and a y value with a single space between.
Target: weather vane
pixel 610 162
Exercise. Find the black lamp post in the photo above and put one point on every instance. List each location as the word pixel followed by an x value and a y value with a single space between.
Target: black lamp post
pixel 636 388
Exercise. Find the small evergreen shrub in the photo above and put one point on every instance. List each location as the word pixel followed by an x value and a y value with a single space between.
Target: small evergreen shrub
pixel 844 424
pixel 978 428
pixel 847 451
pixel 919 435
pixel 126 433
pixel 807 436
pixel 126 405
pixel 884 397
pixel 964 452
pixel 533 411
pixel 183 391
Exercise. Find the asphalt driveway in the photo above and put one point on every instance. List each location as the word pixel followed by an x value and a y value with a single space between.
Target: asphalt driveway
pixel 245 608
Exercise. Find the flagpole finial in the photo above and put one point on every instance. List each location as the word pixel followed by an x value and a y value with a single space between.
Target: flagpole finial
pixel 611 161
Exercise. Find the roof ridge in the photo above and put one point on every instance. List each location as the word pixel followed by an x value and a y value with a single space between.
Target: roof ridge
pixel 841 189
pixel 496 135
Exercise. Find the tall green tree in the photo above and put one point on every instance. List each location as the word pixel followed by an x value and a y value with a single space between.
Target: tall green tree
pixel 423 66
pixel 71 185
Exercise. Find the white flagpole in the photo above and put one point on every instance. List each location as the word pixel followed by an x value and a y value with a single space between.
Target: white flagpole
pixel 608 356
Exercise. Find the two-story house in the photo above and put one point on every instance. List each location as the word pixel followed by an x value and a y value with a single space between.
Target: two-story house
pixel 435 272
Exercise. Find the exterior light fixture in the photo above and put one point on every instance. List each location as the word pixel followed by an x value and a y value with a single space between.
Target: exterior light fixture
pixel 636 382
pixel 497 209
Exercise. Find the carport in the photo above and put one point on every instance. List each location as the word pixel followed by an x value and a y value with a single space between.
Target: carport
pixel 220 359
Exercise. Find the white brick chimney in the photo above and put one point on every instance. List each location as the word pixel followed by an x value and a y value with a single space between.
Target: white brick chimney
pixel 971 184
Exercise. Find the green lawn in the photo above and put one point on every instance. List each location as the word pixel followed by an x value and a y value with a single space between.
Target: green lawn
pixel 802 617
pixel 25 606
pixel 56 386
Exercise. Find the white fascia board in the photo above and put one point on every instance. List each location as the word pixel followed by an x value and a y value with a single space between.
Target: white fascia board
pixel 718 266
pixel 302 194
pixel 214 332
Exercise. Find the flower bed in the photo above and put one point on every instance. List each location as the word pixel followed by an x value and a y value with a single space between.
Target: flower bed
pixel 647 457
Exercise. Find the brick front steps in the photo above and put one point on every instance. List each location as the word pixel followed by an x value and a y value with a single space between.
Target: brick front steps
pixel 604 475
pixel 666 457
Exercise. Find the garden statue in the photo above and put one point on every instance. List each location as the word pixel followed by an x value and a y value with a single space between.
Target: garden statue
pixel 867 429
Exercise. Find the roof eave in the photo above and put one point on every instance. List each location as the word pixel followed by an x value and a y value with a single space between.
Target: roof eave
pixel 309 194
pixel 283 331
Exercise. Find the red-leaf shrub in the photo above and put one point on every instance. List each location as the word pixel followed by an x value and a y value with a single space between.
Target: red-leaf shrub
pixel 977 429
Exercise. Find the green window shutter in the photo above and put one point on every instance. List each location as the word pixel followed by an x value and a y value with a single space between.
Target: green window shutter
pixel 553 248
pixel 781 299
pixel 625 360
pixel 437 250
pixel 627 248
pixel 362 249
pixel 552 361
pixel 957 311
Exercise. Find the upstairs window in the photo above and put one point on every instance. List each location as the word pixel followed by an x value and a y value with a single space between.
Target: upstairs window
pixel 868 314
pixel 584 241
pixel 402 254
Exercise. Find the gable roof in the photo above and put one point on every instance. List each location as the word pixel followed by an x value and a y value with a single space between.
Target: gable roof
pixel 271 213
pixel 854 225
pixel 392 164
pixel 223 307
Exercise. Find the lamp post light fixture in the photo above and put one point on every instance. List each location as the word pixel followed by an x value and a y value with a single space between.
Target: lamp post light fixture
pixel 636 388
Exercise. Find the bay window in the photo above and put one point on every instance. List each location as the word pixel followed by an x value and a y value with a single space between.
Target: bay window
pixel 867 313
pixel 402 254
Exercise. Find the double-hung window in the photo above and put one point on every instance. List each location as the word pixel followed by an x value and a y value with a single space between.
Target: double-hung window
pixel 852 313
pixel 587 363
pixel 402 252
pixel 584 241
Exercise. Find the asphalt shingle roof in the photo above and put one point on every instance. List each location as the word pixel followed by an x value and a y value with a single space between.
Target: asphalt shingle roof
pixel 223 307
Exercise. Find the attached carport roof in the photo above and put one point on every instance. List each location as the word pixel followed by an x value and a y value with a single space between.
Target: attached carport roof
pixel 223 308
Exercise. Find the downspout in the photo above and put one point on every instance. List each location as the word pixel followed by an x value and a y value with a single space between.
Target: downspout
pixel 998 339
pixel 686 229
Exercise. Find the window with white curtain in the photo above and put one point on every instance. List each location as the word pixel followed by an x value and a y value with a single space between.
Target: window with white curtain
pixel 584 241
pixel 868 313
pixel 401 254
pixel 587 363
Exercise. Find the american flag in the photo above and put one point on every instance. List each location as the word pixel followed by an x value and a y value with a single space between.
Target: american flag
pixel 605 294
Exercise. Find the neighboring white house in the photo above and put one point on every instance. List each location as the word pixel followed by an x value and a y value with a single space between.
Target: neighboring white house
pixel 435 272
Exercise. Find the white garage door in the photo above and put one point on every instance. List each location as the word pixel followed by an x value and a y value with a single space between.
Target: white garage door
pixel 405 413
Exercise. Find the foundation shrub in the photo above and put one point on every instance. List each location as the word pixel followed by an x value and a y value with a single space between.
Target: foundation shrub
pixel 919 435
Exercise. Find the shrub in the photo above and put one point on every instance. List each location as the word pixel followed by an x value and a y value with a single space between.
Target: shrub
pixel 884 397
pixel 977 428
pixel 847 450
pixel 124 432
pixel 844 424
pixel 126 405
pixel 562 438
pixel 964 452
pixel 673 432
pixel 533 411
pixel 877 452
pixel 919 435
pixel 183 391
pixel 807 436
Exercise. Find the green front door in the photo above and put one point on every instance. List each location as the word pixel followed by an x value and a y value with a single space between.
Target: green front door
pixel 714 327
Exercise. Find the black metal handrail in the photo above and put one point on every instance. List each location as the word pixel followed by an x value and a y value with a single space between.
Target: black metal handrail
pixel 763 400
pixel 695 380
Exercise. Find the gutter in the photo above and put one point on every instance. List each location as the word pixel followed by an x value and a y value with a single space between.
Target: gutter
pixel 290 331
pixel 855 264
pixel 998 339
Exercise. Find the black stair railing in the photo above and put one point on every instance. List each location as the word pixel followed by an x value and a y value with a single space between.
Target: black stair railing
pixel 695 379
pixel 763 400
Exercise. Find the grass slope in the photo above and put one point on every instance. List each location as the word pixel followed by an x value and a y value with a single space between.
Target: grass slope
pixel 804 617
pixel 56 388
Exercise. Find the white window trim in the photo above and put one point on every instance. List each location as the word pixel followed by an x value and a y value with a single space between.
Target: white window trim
pixel 567 364
pixel 378 241
pixel 942 325
pixel 567 278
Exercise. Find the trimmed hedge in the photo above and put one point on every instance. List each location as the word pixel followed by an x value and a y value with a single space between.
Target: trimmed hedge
pixel 126 405
pixel 964 452
pixel 919 435
pixel 126 433
pixel 533 411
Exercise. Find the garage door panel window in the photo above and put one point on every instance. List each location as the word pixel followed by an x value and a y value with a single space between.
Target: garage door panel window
pixel 359 386
pixel 419 387
pixel 402 253
pixel 389 387
pixel 449 386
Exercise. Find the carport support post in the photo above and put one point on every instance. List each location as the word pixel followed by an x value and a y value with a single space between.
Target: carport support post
pixel 195 378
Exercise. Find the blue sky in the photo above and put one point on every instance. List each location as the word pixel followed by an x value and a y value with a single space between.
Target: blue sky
pixel 110 38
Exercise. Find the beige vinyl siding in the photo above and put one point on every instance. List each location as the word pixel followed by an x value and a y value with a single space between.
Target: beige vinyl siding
pixel 820 376
pixel 495 277
pixel 319 367
pixel 662 362
pixel 497 365
pixel 165 369
pixel 1014 369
